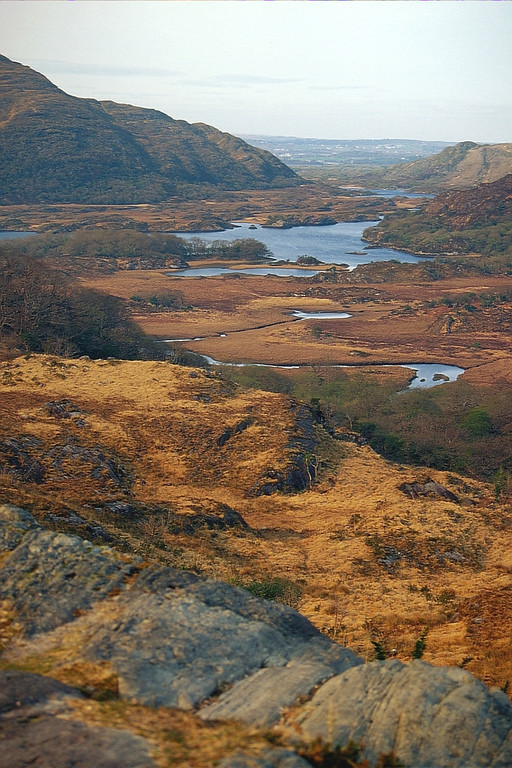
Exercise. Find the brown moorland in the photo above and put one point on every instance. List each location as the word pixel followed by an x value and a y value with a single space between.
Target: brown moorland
pixel 392 322
pixel 308 203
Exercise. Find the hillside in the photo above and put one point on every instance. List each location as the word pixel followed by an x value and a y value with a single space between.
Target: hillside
pixel 58 148
pixel 129 653
pixel 464 165
pixel 460 166
pixel 477 220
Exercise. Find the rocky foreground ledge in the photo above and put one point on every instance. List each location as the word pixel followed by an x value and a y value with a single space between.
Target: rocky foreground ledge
pixel 173 639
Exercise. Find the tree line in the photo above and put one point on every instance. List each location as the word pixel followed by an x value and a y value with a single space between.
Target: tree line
pixel 153 249
pixel 43 311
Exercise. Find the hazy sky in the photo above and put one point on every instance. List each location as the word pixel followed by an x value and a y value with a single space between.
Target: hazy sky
pixel 424 70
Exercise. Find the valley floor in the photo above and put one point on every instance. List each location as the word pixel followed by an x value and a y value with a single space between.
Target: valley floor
pixel 248 319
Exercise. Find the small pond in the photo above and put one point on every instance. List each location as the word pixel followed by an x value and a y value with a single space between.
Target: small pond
pixel 5 235
pixel 320 315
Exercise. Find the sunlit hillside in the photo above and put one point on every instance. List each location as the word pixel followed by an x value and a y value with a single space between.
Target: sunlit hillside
pixel 185 468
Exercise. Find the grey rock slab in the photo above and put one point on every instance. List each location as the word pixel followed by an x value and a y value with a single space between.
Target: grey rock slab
pixel 261 698
pixel 218 594
pixel 52 577
pixel 36 729
pixel 177 639
pixel 268 758
pixel 177 650
pixel 430 717
pixel 23 689
pixel 52 742
pixel 14 524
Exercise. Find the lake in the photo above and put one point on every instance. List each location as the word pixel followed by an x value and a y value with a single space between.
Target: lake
pixel 269 270
pixel 334 243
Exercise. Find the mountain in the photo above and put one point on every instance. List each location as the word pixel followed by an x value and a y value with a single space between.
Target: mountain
pixel 464 165
pixel 460 166
pixel 477 220
pixel 59 148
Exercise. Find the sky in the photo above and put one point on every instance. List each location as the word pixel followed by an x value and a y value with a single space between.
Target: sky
pixel 342 70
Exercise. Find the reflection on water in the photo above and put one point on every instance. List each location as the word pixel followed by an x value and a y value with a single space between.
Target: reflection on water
pixel 320 315
pixel 270 270
pixel 432 374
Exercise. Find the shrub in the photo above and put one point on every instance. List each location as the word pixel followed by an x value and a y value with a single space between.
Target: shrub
pixel 420 645
pixel 276 588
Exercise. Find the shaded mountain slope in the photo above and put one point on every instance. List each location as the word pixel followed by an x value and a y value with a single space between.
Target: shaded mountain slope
pixel 60 148
pixel 198 153
pixel 481 206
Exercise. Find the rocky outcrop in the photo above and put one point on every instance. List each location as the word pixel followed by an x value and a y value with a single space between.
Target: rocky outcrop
pixel 18 458
pixel 428 488
pixel 174 639
pixel 25 458
pixel 300 467
pixel 50 578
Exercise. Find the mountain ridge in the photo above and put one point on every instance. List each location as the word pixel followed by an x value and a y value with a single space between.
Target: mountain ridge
pixel 61 148
pixel 464 165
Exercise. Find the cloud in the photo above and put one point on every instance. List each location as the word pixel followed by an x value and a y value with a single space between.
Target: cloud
pixel 339 87
pixel 100 70
pixel 242 81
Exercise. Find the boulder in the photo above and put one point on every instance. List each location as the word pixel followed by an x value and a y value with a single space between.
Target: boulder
pixel 428 717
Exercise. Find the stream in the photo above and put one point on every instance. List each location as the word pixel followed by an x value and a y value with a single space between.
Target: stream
pixel 427 374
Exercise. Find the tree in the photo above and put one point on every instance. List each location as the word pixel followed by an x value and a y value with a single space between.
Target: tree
pixel 477 423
